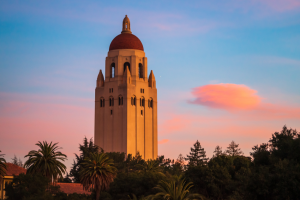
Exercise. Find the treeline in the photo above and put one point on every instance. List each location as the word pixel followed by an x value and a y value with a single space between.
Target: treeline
pixel 271 172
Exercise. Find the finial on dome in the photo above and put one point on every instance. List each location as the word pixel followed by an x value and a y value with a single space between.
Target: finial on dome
pixel 126 25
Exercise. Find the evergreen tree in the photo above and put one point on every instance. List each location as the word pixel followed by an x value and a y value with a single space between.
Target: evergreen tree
pixel 17 161
pixel 218 151
pixel 197 155
pixel 85 149
pixel 233 149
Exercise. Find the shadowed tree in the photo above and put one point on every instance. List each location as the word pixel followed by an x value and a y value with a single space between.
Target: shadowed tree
pixel 46 161
pixel 218 151
pixel 176 189
pixel 135 198
pixel 97 172
pixel 150 166
pixel 233 149
pixel 2 167
pixel 17 161
pixel 197 155
pixel 85 149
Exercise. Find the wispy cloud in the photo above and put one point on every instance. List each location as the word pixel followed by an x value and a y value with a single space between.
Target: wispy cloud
pixel 163 141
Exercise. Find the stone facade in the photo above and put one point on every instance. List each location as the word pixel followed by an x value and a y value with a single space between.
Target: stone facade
pixel 126 100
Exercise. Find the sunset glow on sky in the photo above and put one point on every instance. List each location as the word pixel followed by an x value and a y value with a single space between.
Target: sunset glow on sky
pixel 225 70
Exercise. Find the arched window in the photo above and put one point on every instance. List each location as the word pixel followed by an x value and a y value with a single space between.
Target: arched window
pixel 120 100
pixel 125 65
pixel 102 102
pixel 150 103
pixel 142 102
pixel 112 70
pixel 134 101
pixel 141 70
pixel 111 101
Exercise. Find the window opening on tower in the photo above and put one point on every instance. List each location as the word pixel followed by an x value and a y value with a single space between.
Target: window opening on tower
pixel 133 101
pixel 120 100
pixel 142 102
pixel 150 103
pixel 125 65
pixel 140 70
pixel 112 70
pixel 102 101
pixel 111 101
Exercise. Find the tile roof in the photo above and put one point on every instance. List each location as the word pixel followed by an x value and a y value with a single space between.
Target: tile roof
pixel 12 169
pixel 70 188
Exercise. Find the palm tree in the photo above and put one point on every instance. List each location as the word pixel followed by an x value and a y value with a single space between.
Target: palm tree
pixel 97 171
pixel 2 166
pixel 151 166
pixel 176 189
pixel 46 161
pixel 135 198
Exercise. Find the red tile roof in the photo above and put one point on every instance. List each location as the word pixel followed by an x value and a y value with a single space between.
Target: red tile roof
pixel 12 169
pixel 70 188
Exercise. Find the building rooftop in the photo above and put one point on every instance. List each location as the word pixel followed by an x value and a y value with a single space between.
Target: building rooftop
pixel 70 188
pixel 12 169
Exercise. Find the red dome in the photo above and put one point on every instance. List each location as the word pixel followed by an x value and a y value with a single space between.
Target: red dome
pixel 126 41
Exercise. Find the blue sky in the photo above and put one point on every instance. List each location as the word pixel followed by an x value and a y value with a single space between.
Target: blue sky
pixel 51 53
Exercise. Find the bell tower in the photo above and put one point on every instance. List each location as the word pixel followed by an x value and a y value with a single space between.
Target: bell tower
pixel 126 99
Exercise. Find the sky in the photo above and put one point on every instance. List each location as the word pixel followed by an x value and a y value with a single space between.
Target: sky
pixel 225 70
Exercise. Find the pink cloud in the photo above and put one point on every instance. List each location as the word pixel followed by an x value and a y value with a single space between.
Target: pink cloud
pixel 226 96
pixel 163 141
pixel 248 123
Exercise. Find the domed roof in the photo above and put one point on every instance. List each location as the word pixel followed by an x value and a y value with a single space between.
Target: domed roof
pixel 126 40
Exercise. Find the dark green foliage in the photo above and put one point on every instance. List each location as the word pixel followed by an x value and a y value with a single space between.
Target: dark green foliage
pixel 97 171
pixel 2 166
pixel 17 161
pixel 74 196
pixel 38 187
pixel 233 149
pixel 276 170
pixel 197 155
pixel 66 179
pixel 30 187
pixel 138 183
pixel 85 149
pixel 46 161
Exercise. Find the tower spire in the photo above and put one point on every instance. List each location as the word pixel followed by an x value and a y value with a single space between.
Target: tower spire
pixel 126 25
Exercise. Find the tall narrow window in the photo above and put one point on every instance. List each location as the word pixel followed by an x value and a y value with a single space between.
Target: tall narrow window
pixel 125 66
pixel 121 100
pixel 112 70
pixel 134 101
pixel 140 70
pixel 109 101
pixel 143 102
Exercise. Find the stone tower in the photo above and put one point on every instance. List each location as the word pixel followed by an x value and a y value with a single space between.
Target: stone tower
pixel 126 99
